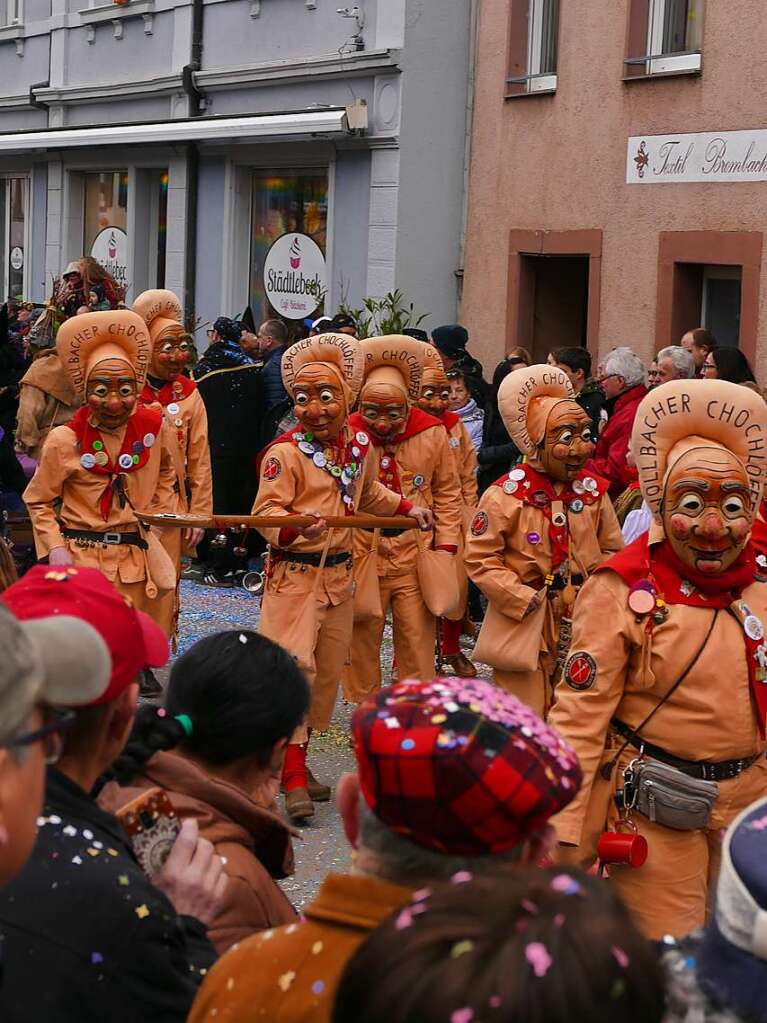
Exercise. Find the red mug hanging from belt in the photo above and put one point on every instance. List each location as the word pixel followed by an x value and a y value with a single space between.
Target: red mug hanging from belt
pixel 627 848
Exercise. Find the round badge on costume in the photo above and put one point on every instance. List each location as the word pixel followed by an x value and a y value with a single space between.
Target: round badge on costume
pixel 385 462
pixel 306 447
pixel 517 474
pixel 590 484
pixel 558 519
pixel 479 524
pixel 576 506
pixel 361 438
pixel 580 671
pixel 137 447
pixel 98 445
pixel 87 461
pixel 753 628
pixel 319 459
pixel 173 408
pixel 149 439
pixel 510 487
pixel 453 442
pixel 125 461
pixel 641 601
pixel 135 459
pixel 578 487
pixel 179 422
pixel 533 538
pixel 418 480
pixel 101 458
pixel 272 469
pixel 356 452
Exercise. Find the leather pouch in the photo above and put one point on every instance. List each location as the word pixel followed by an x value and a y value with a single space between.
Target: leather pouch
pixel 669 797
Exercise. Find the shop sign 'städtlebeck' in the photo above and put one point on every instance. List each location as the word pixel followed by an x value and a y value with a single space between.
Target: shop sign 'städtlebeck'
pixel 724 156
pixel 110 248
pixel 295 279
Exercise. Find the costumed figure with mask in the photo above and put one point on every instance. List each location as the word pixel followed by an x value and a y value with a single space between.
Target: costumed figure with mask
pixel 186 427
pixel 111 458
pixel 323 467
pixel 434 399
pixel 414 459
pixel 664 695
pixel 539 531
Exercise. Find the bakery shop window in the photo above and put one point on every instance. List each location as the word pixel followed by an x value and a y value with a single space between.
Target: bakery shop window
pixel 14 223
pixel 285 202
pixel 106 221
pixel 533 36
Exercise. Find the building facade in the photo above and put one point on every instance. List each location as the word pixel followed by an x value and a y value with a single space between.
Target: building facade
pixel 176 140
pixel 618 188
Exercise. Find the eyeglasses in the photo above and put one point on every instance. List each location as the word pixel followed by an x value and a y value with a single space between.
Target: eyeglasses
pixel 56 722
pixel 709 365
pixel 607 376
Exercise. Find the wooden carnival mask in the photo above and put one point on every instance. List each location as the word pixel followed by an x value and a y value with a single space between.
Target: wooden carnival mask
pixel 170 354
pixel 566 444
pixel 706 509
pixel 319 401
pixel 384 409
pixel 161 311
pixel 110 392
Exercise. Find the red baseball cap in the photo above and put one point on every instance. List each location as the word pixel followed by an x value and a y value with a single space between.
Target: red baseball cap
pixel 460 766
pixel 133 639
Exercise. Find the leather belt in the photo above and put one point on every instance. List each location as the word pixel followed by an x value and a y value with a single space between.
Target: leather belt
pixel 388 532
pixel 705 769
pixel 311 559
pixel 559 583
pixel 107 539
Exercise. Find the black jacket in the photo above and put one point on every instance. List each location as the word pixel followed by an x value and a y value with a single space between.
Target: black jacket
pixel 87 938
pixel 231 387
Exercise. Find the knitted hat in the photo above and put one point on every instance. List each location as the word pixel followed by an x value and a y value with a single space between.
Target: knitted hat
pixel 451 339
pixel 460 766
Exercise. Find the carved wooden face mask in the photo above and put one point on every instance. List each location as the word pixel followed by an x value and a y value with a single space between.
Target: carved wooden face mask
pixel 434 399
pixel 319 402
pixel 567 443
pixel 170 354
pixel 706 509
pixel 111 393
pixel 384 409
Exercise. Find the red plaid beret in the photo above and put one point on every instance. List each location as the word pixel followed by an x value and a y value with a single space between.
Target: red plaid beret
pixel 460 766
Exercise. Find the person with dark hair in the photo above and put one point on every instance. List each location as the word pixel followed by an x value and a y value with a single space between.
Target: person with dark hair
pixel 543 946
pixel 451 341
pixel 342 323
pixel 576 362
pixel 699 343
pixel 455 779
pixel 272 342
pixel 217 748
pixel 728 364
pixel 416 333
pixel 230 385
pixel 498 453
pixel 87 936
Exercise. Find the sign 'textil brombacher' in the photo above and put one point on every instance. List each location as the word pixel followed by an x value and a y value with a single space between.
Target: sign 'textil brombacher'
pixel 725 156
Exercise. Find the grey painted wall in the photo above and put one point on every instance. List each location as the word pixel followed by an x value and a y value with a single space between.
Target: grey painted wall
pixel 210 242
pixel 351 205
pixel 38 286
pixel 432 134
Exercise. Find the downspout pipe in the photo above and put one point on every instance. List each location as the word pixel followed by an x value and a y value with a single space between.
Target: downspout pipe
pixel 192 167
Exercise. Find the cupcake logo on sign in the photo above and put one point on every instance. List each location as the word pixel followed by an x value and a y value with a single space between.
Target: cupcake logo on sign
pixel 110 248
pixel 295 276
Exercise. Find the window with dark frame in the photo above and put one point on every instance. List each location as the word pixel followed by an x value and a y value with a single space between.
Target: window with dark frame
pixel 664 37
pixel 533 39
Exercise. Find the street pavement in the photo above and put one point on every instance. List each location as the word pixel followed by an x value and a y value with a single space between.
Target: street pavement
pixel 321 846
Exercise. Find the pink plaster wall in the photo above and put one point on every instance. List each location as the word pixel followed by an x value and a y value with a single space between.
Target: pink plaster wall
pixel 558 163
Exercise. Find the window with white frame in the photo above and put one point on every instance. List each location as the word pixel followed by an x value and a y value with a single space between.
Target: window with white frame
pixel 664 36
pixel 14 237
pixel 533 47
pixel 11 13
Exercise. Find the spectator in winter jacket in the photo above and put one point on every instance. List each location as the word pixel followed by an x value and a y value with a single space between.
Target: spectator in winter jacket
pixel 576 362
pixel 217 748
pixel 451 341
pixel 622 382
pixel 497 453
pixel 674 363
pixel 272 341
pixel 462 403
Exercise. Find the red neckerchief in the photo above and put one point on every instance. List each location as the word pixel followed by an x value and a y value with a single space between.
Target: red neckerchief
pixel 145 423
pixel 759 530
pixel 663 569
pixel 449 419
pixel 177 389
pixel 418 421
pixel 538 491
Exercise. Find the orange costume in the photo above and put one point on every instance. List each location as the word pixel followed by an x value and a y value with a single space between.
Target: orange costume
pixel 187 425
pixel 668 654
pixel 540 530
pixel 323 467
pixel 112 457
pixel 415 459
pixel 434 398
